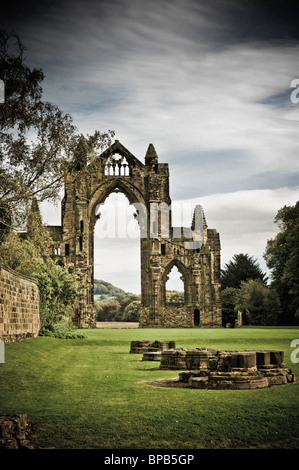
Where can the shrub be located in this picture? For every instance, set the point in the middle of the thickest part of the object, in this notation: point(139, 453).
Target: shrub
point(60, 334)
point(131, 311)
point(60, 292)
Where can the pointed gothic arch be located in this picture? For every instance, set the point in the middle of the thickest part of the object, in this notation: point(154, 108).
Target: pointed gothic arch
point(184, 277)
point(118, 184)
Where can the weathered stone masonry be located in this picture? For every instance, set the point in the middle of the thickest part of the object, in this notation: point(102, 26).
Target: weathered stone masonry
point(195, 250)
point(19, 306)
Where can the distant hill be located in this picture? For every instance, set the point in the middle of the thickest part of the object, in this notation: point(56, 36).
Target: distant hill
point(105, 292)
point(107, 289)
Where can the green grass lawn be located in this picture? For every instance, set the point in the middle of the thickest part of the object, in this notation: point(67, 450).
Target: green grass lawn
point(87, 393)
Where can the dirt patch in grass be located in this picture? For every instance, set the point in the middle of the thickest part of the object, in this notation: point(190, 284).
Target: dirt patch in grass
point(117, 324)
point(166, 383)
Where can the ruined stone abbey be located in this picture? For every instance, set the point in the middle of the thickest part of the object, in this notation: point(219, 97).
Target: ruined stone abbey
point(195, 250)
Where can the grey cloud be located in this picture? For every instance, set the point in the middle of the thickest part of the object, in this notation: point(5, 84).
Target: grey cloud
point(206, 82)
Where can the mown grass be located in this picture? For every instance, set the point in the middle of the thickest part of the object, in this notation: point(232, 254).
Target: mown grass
point(88, 393)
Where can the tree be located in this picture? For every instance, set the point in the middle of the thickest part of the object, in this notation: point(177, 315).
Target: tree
point(37, 232)
point(20, 255)
point(60, 292)
point(126, 299)
point(228, 301)
point(110, 311)
point(177, 298)
point(39, 142)
point(131, 312)
point(5, 221)
point(282, 258)
point(122, 308)
point(259, 304)
point(241, 268)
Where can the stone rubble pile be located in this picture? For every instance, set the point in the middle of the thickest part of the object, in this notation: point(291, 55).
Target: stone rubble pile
point(16, 432)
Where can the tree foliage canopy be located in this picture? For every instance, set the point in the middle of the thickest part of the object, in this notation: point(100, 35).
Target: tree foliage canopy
point(244, 289)
point(282, 258)
point(123, 308)
point(259, 303)
point(38, 142)
point(241, 268)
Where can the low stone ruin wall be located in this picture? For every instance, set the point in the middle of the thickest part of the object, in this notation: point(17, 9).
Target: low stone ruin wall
point(206, 358)
point(19, 306)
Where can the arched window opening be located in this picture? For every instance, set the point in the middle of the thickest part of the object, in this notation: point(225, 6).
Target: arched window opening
point(117, 246)
point(175, 288)
point(196, 317)
point(57, 251)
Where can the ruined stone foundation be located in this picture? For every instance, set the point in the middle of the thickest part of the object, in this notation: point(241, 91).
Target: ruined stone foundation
point(206, 368)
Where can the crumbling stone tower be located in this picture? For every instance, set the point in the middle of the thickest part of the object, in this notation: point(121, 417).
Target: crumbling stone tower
point(195, 251)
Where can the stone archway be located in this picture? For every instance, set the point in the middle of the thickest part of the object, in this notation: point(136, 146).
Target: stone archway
point(195, 250)
point(133, 198)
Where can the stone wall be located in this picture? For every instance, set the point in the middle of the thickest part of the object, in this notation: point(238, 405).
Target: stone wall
point(19, 306)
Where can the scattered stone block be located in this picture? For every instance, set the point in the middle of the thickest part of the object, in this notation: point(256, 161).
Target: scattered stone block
point(138, 347)
point(246, 360)
point(262, 358)
point(277, 357)
point(144, 346)
point(152, 356)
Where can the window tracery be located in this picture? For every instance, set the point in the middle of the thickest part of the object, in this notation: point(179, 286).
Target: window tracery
point(117, 165)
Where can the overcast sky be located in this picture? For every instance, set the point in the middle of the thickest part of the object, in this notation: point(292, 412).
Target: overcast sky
point(207, 82)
